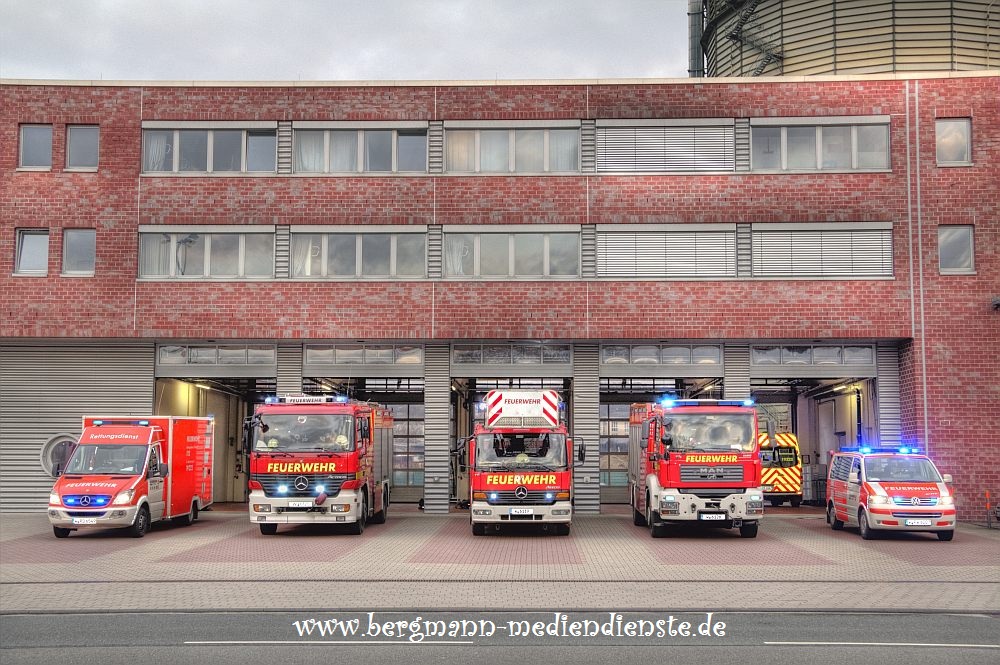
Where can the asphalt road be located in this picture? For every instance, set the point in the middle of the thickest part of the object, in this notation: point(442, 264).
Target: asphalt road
point(512, 637)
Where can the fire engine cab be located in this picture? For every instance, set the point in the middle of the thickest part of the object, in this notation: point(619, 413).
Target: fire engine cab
point(898, 490)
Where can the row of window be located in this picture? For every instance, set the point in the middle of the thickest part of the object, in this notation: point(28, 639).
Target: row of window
point(635, 255)
point(795, 147)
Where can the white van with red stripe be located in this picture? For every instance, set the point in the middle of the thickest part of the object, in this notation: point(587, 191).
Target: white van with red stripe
point(892, 491)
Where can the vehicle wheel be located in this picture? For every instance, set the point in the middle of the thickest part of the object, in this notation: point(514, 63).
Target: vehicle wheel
point(831, 519)
point(637, 518)
point(380, 516)
point(64, 533)
point(562, 529)
point(194, 511)
point(186, 520)
point(478, 529)
point(942, 535)
point(796, 502)
point(141, 524)
point(776, 502)
point(655, 529)
point(748, 530)
point(268, 529)
point(358, 527)
point(863, 527)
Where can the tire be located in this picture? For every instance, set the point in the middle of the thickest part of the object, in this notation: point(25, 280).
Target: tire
point(380, 516)
point(358, 527)
point(194, 511)
point(562, 529)
point(478, 529)
point(268, 529)
point(637, 518)
point(748, 530)
point(796, 502)
point(186, 520)
point(64, 533)
point(141, 524)
point(776, 502)
point(655, 529)
point(865, 529)
point(831, 519)
point(942, 535)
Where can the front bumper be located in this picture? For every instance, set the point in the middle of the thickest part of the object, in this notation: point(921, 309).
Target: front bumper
point(560, 512)
point(112, 517)
point(676, 506)
point(340, 509)
point(901, 519)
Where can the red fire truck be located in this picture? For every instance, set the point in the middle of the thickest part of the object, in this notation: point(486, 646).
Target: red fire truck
point(521, 462)
point(695, 461)
point(317, 460)
point(129, 471)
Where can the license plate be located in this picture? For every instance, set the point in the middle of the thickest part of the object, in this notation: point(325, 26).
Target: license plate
point(300, 504)
point(712, 516)
point(768, 488)
point(84, 520)
point(917, 522)
point(522, 511)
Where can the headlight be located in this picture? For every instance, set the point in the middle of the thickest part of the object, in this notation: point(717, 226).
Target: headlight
point(54, 498)
point(878, 500)
point(124, 498)
point(947, 501)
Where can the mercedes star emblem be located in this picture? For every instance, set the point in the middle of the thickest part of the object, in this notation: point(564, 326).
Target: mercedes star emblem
point(301, 483)
point(84, 500)
point(521, 492)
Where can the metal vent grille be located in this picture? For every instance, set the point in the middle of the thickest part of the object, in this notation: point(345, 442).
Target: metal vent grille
point(741, 136)
point(282, 251)
point(435, 146)
point(588, 251)
point(588, 146)
point(289, 368)
point(284, 146)
point(434, 244)
point(586, 427)
point(744, 250)
point(437, 427)
point(888, 401)
point(662, 149)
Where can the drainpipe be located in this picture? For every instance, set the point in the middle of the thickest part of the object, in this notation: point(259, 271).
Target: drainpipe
point(857, 406)
point(696, 58)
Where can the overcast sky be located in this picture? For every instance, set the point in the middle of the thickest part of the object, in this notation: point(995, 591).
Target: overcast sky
point(255, 40)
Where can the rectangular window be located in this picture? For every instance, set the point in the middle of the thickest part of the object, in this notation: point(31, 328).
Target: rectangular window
point(512, 150)
point(382, 150)
point(309, 152)
point(530, 255)
point(954, 144)
point(193, 150)
point(666, 254)
point(227, 151)
point(956, 255)
point(36, 147)
point(766, 148)
point(873, 146)
point(836, 147)
point(666, 148)
point(359, 255)
point(79, 250)
point(822, 253)
point(32, 256)
point(841, 147)
point(213, 255)
point(378, 150)
point(208, 151)
point(261, 151)
point(801, 147)
point(411, 151)
point(82, 146)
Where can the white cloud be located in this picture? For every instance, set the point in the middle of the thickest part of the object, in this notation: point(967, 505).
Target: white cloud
point(342, 40)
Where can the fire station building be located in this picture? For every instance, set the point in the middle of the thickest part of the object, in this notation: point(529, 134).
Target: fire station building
point(828, 245)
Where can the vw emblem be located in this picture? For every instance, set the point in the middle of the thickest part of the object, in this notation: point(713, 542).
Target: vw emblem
point(84, 500)
point(915, 501)
point(521, 492)
point(301, 483)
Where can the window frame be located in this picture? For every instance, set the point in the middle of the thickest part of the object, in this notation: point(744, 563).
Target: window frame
point(65, 247)
point(20, 236)
point(511, 254)
point(208, 232)
point(967, 123)
point(86, 168)
point(324, 256)
point(512, 150)
point(971, 237)
point(819, 124)
point(360, 155)
point(21, 166)
point(174, 146)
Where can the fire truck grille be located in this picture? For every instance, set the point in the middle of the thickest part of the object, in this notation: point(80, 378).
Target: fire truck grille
point(693, 473)
point(86, 500)
point(331, 483)
point(533, 498)
point(921, 501)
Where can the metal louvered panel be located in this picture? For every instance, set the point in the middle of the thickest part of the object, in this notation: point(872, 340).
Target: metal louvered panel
point(284, 146)
point(741, 144)
point(586, 427)
point(889, 404)
point(744, 250)
point(46, 391)
point(736, 378)
point(435, 240)
point(665, 149)
point(834, 253)
point(435, 146)
point(588, 146)
point(588, 251)
point(437, 427)
point(282, 251)
point(289, 369)
point(660, 254)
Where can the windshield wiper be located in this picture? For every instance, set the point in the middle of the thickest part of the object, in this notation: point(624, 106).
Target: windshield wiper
point(273, 453)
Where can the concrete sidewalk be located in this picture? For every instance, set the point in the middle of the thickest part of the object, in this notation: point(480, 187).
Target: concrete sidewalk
point(418, 561)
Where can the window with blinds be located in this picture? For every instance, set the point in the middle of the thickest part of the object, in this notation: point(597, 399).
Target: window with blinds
point(822, 253)
point(666, 254)
point(665, 149)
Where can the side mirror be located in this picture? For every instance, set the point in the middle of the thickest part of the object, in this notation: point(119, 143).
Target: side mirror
point(57, 471)
point(581, 454)
point(947, 479)
point(652, 457)
point(854, 478)
point(163, 471)
point(363, 426)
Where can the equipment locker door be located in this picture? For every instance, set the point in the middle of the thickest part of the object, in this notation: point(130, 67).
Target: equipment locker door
point(155, 484)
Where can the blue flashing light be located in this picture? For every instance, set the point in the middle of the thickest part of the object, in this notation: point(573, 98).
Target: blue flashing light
point(493, 496)
point(904, 450)
point(320, 489)
point(271, 399)
point(748, 402)
point(144, 423)
point(341, 398)
point(98, 422)
point(282, 489)
point(865, 449)
point(668, 402)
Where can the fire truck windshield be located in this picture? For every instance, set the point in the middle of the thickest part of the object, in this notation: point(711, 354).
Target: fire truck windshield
point(710, 431)
point(521, 451)
point(899, 468)
point(107, 459)
point(304, 432)
point(780, 457)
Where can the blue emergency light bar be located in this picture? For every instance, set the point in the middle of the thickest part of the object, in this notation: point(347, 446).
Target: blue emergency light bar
point(670, 402)
point(98, 423)
point(305, 399)
point(866, 450)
